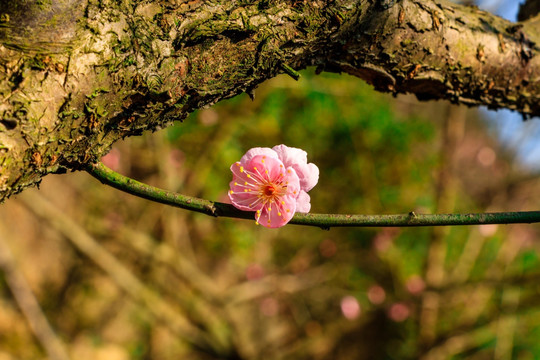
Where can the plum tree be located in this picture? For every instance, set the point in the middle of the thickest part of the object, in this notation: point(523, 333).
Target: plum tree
point(76, 76)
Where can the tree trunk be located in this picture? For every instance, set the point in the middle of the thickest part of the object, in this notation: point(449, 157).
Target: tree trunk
point(75, 76)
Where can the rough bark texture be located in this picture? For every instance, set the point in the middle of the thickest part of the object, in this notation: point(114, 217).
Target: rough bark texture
point(75, 76)
point(528, 9)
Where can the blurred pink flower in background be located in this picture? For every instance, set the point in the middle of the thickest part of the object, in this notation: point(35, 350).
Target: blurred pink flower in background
point(269, 306)
point(399, 312)
point(350, 308)
point(376, 294)
point(254, 272)
point(415, 285)
point(112, 159)
point(273, 183)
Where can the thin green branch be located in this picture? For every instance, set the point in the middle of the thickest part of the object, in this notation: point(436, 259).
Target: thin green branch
point(325, 221)
point(290, 71)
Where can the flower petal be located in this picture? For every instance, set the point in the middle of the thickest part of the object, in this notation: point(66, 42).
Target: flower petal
point(239, 172)
point(277, 215)
point(266, 169)
point(308, 175)
point(303, 204)
point(290, 155)
point(297, 158)
point(244, 200)
point(257, 151)
point(293, 182)
point(243, 189)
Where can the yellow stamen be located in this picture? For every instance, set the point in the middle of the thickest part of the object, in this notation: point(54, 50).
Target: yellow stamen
point(241, 169)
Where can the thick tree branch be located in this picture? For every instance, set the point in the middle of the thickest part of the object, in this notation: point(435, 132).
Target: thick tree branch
point(75, 76)
point(528, 9)
point(439, 50)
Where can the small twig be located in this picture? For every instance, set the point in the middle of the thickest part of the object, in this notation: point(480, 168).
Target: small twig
point(325, 221)
point(29, 306)
point(290, 71)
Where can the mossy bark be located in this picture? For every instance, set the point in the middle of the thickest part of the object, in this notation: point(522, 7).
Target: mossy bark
point(75, 76)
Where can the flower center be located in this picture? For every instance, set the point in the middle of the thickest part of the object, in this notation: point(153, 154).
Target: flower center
point(269, 190)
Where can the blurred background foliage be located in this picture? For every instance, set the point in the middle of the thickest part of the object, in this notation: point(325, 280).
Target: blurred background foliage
point(118, 277)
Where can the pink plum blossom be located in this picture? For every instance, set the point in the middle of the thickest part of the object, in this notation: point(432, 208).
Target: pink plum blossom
point(273, 183)
point(350, 308)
